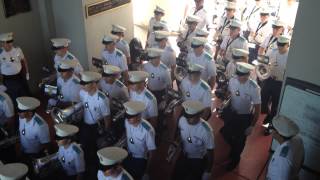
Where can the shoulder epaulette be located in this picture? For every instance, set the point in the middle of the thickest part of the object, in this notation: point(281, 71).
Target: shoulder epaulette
point(101, 95)
point(76, 149)
point(207, 56)
point(2, 98)
point(119, 53)
point(69, 56)
point(125, 177)
point(76, 80)
point(38, 120)
point(163, 66)
point(284, 151)
point(253, 83)
point(204, 85)
point(206, 126)
point(119, 83)
point(149, 95)
point(146, 125)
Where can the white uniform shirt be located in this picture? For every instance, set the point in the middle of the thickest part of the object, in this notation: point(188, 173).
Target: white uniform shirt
point(168, 57)
point(68, 56)
point(140, 139)
point(124, 175)
point(96, 107)
point(196, 139)
point(269, 44)
point(69, 89)
point(117, 90)
point(203, 15)
point(10, 61)
point(186, 37)
point(286, 160)
point(199, 92)
point(152, 21)
point(278, 64)
point(6, 108)
point(251, 17)
point(206, 61)
point(123, 46)
point(33, 134)
point(150, 101)
point(159, 76)
point(116, 58)
point(244, 96)
point(228, 44)
point(72, 159)
point(223, 28)
point(262, 31)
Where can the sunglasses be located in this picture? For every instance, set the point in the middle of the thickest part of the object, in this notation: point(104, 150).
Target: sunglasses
point(195, 46)
point(129, 116)
point(281, 44)
point(64, 70)
point(7, 42)
point(276, 27)
point(158, 13)
point(155, 28)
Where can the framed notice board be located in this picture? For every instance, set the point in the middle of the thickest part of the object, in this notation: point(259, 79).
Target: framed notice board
point(13, 7)
point(105, 5)
point(301, 103)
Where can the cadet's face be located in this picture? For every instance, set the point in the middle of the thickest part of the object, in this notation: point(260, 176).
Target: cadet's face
point(230, 12)
point(263, 18)
point(90, 87)
point(155, 61)
point(192, 25)
point(109, 79)
point(198, 50)
point(137, 86)
point(61, 52)
point(7, 46)
point(134, 120)
point(193, 120)
point(194, 77)
point(66, 75)
point(110, 47)
point(234, 31)
point(62, 142)
point(25, 115)
point(277, 31)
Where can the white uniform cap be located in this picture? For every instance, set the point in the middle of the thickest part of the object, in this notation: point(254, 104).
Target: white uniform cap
point(109, 38)
point(110, 69)
point(65, 130)
point(134, 107)
point(68, 64)
point(154, 52)
point(231, 5)
point(285, 126)
point(60, 42)
point(235, 23)
point(197, 41)
point(13, 171)
point(193, 18)
point(279, 23)
point(159, 9)
point(90, 76)
point(202, 32)
point(137, 76)
point(27, 103)
point(6, 37)
point(195, 67)
point(118, 28)
point(161, 24)
point(162, 34)
point(111, 155)
point(192, 107)
point(240, 52)
point(243, 67)
point(265, 10)
point(284, 39)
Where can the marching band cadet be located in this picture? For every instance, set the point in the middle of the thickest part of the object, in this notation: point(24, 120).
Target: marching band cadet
point(251, 16)
point(196, 159)
point(184, 39)
point(157, 26)
point(234, 40)
point(121, 44)
point(33, 131)
point(96, 116)
point(270, 42)
point(168, 56)
point(238, 55)
point(110, 84)
point(159, 79)
point(158, 14)
point(13, 67)
point(288, 158)
point(200, 12)
point(272, 86)
point(139, 92)
point(260, 33)
point(110, 160)
point(113, 56)
point(69, 154)
point(201, 57)
point(194, 88)
point(245, 96)
point(287, 13)
point(208, 47)
point(14, 171)
point(140, 139)
point(60, 47)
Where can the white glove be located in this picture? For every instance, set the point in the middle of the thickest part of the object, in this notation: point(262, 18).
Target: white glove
point(206, 176)
point(248, 131)
point(27, 76)
point(145, 177)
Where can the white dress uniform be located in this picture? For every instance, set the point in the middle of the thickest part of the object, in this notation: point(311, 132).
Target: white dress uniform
point(152, 22)
point(68, 56)
point(269, 44)
point(223, 28)
point(10, 62)
point(140, 139)
point(205, 60)
point(96, 107)
point(69, 89)
point(286, 160)
point(159, 77)
point(252, 17)
point(203, 15)
point(278, 64)
point(186, 37)
point(6, 108)
point(71, 159)
point(117, 90)
point(150, 101)
point(228, 44)
point(124, 175)
point(33, 134)
point(262, 31)
point(201, 138)
point(200, 92)
point(123, 46)
point(244, 96)
point(116, 58)
point(168, 57)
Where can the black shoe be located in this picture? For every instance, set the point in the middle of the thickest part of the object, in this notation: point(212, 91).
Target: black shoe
point(267, 120)
point(232, 165)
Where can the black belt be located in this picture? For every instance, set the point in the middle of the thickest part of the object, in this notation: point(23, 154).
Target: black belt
point(12, 77)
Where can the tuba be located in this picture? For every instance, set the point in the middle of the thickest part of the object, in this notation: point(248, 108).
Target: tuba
point(181, 70)
point(68, 115)
point(46, 166)
point(263, 70)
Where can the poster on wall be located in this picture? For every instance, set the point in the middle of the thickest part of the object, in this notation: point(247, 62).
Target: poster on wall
point(102, 6)
point(13, 7)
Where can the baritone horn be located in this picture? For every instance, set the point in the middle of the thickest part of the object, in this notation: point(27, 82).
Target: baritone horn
point(263, 70)
point(67, 115)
